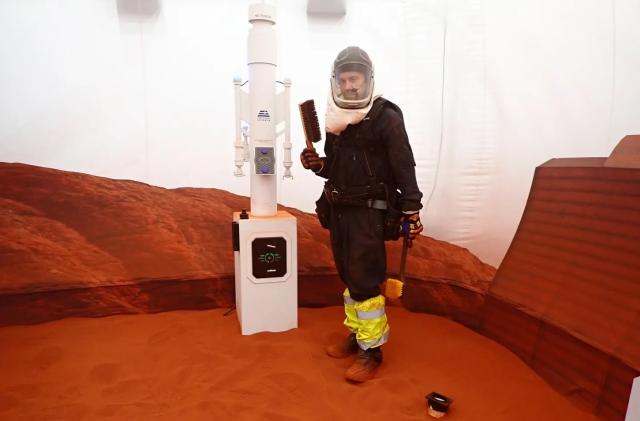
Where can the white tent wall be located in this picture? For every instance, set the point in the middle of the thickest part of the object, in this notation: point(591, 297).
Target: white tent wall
point(525, 82)
point(121, 89)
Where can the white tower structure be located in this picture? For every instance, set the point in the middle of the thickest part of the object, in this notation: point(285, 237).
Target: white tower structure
point(264, 239)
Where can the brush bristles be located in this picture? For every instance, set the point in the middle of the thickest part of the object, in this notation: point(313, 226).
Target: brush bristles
point(310, 122)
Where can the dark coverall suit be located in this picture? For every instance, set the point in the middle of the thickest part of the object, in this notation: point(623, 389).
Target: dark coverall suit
point(357, 232)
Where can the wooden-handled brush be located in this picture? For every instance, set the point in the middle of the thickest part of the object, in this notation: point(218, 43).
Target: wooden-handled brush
point(310, 122)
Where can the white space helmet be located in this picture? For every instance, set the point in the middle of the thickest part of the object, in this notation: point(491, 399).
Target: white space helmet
point(352, 78)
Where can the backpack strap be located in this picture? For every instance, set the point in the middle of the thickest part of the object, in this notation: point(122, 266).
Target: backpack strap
point(364, 130)
point(365, 126)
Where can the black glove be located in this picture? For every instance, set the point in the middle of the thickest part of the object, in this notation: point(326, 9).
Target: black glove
point(311, 160)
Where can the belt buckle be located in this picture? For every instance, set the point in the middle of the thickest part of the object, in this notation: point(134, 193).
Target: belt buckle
point(335, 195)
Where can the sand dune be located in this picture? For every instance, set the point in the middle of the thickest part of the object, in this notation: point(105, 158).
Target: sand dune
point(194, 365)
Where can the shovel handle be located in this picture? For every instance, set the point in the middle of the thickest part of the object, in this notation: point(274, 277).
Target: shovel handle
point(406, 243)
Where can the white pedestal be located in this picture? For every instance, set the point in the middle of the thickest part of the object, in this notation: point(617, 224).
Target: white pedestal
point(266, 269)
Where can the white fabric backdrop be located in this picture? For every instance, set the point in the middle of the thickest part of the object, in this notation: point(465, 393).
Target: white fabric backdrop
point(490, 89)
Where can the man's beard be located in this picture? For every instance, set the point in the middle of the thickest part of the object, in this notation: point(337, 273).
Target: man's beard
point(351, 95)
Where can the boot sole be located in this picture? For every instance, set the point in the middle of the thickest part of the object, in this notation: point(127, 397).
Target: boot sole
point(359, 379)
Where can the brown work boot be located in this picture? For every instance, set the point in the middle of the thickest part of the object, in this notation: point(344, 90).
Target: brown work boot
point(343, 349)
point(365, 366)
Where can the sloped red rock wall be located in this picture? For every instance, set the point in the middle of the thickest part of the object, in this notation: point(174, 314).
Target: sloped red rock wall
point(566, 298)
point(80, 245)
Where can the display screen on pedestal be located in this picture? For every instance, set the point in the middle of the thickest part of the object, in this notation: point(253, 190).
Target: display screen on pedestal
point(269, 257)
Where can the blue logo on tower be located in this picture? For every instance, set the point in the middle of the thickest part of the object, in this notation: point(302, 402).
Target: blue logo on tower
point(263, 115)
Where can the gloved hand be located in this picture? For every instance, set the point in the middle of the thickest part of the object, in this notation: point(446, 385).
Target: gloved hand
point(310, 160)
point(411, 225)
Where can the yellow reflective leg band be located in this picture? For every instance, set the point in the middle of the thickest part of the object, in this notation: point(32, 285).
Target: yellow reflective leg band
point(351, 321)
point(373, 330)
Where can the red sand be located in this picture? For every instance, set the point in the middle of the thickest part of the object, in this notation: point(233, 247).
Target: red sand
point(194, 365)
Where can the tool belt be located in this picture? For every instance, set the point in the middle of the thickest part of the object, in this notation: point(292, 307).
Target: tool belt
point(333, 196)
point(368, 197)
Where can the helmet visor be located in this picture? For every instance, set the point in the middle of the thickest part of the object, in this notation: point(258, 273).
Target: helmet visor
point(352, 85)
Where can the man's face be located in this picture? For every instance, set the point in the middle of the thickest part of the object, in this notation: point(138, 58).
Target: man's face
point(351, 84)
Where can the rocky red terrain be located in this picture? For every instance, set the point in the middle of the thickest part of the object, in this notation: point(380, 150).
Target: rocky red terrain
point(74, 244)
point(565, 299)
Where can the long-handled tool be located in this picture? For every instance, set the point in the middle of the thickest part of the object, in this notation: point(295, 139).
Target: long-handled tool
point(393, 287)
